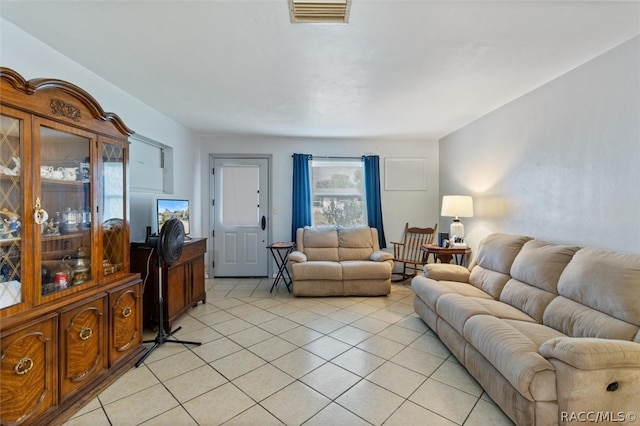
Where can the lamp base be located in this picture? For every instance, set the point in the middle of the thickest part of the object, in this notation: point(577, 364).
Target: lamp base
point(456, 230)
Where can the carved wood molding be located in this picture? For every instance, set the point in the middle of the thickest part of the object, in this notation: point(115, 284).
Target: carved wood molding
point(32, 86)
point(60, 107)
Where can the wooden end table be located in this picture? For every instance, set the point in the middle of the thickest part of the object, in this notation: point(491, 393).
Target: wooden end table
point(445, 254)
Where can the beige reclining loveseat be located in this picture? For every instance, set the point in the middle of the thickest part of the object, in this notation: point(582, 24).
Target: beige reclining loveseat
point(336, 261)
point(551, 332)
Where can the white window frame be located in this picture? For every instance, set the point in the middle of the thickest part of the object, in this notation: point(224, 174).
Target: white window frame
point(336, 162)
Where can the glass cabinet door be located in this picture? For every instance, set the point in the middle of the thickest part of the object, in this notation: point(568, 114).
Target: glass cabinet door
point(115, 238)
point(64, 199)
point(11, 215)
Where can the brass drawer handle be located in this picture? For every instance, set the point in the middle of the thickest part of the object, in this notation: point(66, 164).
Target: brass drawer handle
point(23, 366)
point(85, 333)
point(126, 312)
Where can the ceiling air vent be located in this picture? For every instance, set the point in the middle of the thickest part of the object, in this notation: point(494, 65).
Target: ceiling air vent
point(331, 11)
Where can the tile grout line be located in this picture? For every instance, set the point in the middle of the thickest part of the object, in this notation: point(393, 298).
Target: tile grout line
point(244, 306)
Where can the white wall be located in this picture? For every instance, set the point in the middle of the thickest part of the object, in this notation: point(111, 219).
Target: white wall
point(561, 163)
point(33, 59)
point(419, 208)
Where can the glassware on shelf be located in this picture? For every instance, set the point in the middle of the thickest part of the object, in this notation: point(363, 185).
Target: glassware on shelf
point(10, 211)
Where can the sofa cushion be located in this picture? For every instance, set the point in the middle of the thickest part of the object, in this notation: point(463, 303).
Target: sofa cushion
point(489, 281)
point(456, 309)
point(320, 243)
point(365, 270)
point(430, 290)
point(514, 355)
point(348, 253)
point(320, 237)
point(498, 251)
point(322, 254)
point(329, 271)
point(529, 299)
point(355, 243)
point(358, 236)
point(540, 264)
point(535, 272)
point(594, 273)
point(577, 320)
point(537, 333)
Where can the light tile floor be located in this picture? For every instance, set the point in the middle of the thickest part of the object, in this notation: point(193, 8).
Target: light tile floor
point(273, 359)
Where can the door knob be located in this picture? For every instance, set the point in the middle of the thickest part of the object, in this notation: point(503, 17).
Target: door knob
point(263, 223)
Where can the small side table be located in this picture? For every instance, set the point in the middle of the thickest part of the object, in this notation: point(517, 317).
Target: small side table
point(445, 254)
point(279, 252)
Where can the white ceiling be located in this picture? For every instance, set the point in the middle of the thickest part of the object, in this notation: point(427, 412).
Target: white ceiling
point(399, 69)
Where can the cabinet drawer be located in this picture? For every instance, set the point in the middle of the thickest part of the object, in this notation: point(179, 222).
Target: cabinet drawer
point(82, 344)
point(126, 321)
point(28, 371)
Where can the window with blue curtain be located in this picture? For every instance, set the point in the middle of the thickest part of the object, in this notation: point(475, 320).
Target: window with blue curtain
point(337, 190)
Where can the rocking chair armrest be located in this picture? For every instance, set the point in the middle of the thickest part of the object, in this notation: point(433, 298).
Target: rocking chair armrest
point(396, 248)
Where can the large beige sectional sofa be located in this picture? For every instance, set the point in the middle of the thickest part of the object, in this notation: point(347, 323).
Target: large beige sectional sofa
point(336, 261)
point(551, 332)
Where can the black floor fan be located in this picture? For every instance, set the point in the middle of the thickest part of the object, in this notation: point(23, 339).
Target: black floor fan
point(168, 248)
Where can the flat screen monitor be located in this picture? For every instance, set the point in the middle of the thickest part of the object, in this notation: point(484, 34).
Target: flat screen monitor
point(169, 209)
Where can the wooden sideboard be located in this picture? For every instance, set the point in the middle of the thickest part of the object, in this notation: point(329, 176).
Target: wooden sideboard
point(182, 281)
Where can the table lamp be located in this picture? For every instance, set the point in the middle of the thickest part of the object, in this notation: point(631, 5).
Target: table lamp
point(457, 206)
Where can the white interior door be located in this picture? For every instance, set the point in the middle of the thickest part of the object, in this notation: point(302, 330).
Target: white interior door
point(240, 207)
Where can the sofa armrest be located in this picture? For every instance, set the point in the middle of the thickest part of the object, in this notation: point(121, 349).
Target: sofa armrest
point(446, 272)
point(592, 353)
point(594, 375)
point(380, 256)
point(296, 257)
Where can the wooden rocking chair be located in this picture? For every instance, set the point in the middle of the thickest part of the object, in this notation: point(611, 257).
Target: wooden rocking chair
point(409, 251)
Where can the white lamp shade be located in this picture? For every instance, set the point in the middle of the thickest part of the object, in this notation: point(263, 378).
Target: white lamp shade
point(457, 206)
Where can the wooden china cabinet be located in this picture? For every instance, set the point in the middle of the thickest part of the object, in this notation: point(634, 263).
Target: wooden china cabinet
point(70, 310)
